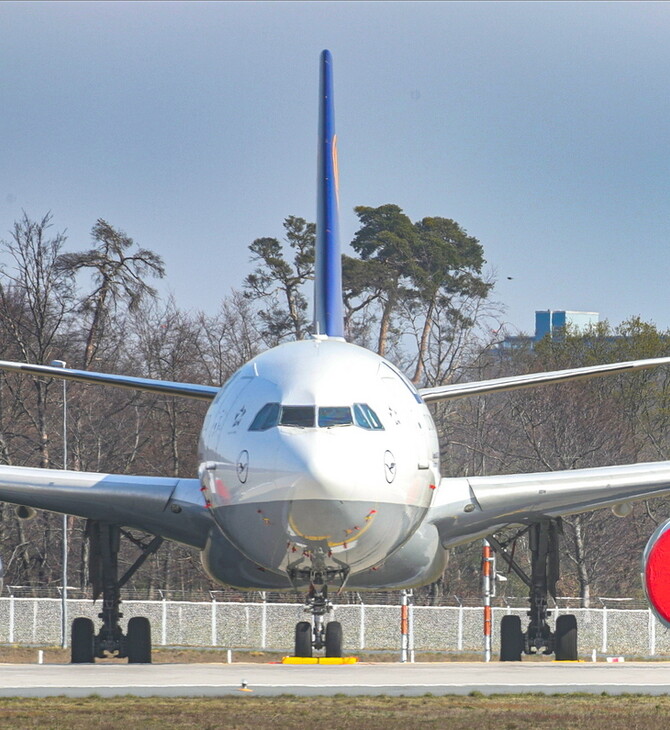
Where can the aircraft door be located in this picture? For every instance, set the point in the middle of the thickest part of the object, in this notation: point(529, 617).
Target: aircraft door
point(406, 413)
point(424, 444)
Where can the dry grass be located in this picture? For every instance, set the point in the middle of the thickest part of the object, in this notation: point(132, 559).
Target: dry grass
point(344, 713)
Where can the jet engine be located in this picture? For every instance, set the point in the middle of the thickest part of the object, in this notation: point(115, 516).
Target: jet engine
point(656, 572)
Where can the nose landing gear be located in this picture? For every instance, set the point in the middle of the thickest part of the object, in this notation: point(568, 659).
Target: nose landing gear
point(318, 634)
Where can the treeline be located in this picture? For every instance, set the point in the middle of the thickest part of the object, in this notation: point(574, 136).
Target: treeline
point(97, 309)
point(415, 292)
point(608, 420)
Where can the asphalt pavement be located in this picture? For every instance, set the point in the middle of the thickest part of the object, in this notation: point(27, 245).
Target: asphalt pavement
point(194, 680)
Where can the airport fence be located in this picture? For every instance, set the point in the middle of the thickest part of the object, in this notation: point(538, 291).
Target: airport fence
point(270, 626)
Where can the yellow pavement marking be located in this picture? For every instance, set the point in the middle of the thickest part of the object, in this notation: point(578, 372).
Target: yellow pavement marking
point(319, 660)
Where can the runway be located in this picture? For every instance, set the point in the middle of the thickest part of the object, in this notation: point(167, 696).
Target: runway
point(216, 680)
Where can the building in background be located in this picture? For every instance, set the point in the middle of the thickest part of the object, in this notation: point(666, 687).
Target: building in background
point(550, 322)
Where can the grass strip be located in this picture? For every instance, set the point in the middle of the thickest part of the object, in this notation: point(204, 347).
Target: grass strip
point(287, 712)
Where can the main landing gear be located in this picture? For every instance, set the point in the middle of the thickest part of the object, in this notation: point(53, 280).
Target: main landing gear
point(135, 644)
point(538, 638)
point(318, 634)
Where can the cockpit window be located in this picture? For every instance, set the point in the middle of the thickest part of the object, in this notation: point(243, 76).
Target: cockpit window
point(334, 416)
point(266, 418)
point(300, 416)
point(273, 414)
point(366, 417)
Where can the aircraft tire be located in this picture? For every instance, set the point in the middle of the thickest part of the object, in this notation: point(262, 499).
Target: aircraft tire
point(511, 639)
point(565, 638)
point(334, 639)
point(139, 640)
point(81, 645)
point(303, 639)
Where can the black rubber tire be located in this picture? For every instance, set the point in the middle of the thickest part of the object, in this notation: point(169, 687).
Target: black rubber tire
point(565, 638)
point(138, 640)
point(334, 639)
point(81, 644)
point(303, 639)
point(511, 639)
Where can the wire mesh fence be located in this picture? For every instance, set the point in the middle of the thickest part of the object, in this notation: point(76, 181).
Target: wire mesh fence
point(264, 625)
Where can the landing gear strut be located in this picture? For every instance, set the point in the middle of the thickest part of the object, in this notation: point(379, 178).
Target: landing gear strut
point(318, 634)
point(538, 638)
point(105, 540)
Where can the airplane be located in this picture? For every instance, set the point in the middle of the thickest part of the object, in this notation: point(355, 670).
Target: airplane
point(319, 470)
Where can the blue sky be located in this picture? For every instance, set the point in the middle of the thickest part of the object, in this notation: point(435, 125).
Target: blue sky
point(542, 128)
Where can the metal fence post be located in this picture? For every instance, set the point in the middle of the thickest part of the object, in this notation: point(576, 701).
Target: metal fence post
point(164, 622)
point(459, 638)
point(264, 619)
point(486, 590)
point(604, 648)
point(213, 621)
point(404, 626)
point(652, 633)
point(11, 618)
point(361, 631)
point(411, 630)
point(35, 620)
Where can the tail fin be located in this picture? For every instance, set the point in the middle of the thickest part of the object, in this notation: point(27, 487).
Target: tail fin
point(328, 311)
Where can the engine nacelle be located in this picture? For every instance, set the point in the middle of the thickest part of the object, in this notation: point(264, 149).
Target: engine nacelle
point(656, 572)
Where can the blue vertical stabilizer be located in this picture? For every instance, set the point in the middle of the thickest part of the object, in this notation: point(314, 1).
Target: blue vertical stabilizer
point(328, 313)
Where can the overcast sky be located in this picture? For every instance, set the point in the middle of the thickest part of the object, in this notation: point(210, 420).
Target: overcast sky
point(542, 128)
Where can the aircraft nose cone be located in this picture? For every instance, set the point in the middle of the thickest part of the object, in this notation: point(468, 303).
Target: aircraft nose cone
point(320, 471)
point(328, 508)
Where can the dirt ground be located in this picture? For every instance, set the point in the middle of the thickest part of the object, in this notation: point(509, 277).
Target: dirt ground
point(56, 655)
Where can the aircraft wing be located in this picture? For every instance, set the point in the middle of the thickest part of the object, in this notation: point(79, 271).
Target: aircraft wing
point(172, 508)
point(469, 507)
point(167, 387)
point(514, 382)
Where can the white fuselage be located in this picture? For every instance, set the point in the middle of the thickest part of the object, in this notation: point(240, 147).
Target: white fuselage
point(318, 455)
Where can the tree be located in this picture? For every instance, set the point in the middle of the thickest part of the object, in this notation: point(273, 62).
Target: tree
point(227, 340)
point(424, 276)
point(601, 421)
point(279, 283)
point(119, 271)
point(386, 242)
point(35, 298)
point(363, 284)
point(35, 301)
point(446, 272)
